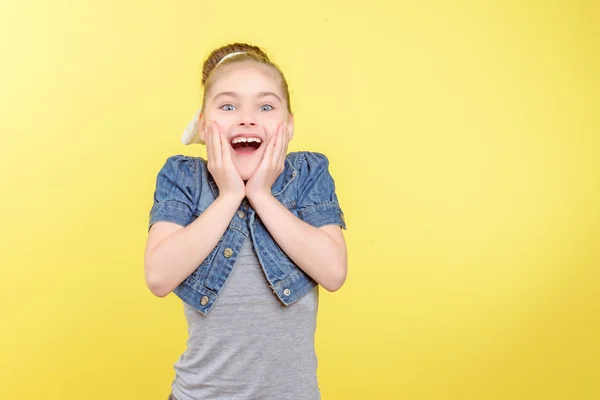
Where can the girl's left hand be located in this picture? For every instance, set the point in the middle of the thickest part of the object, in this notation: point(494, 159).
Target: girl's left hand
point(271, 166)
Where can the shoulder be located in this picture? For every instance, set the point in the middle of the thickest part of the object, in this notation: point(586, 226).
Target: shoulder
point(315, 189)
point(308, 160)
point(312, 172)
point(182, 166)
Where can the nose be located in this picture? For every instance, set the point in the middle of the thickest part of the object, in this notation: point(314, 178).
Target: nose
point(248, 119)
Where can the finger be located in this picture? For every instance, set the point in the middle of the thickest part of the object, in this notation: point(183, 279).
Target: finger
point(289, 132)
point(277, 146)
point(216, 144)
point(284, 145)
point(269, 149)
point(209, 151)
point(210, 145)
point(226, 150)
point(267, 157)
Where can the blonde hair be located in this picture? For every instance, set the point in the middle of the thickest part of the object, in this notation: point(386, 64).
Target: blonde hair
point(244, 52)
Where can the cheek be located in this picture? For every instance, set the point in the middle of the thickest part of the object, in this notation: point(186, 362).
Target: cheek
point(224, 121)
point(270, 125)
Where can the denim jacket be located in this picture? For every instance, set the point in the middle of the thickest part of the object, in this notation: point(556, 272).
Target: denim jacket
point(184, 190)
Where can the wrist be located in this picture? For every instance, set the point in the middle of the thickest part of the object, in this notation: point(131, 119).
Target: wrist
point(259, 195)
point(231, 198)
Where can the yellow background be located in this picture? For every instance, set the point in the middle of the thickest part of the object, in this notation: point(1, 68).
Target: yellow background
point(463, 139)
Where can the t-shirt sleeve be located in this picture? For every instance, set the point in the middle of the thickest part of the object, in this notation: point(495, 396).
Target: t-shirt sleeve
point(318, 203)
point(175, 193)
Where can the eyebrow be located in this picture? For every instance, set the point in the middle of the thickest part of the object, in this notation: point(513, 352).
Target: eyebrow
point(230, 94)
point(265, 94)
point(234, 94)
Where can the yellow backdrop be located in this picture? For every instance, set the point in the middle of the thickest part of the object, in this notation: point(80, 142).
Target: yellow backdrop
point(463, 139)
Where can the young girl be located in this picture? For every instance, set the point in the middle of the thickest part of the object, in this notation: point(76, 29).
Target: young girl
point(245, 238)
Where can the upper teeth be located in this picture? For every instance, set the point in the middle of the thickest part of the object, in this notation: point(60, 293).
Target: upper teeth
point(246, 140)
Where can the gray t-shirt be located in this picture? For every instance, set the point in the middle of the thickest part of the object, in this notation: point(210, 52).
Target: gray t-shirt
point(249, 346)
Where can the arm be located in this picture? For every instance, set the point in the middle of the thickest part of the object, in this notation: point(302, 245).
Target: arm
point(314, 241)
point(174, 252)
point(320, 252)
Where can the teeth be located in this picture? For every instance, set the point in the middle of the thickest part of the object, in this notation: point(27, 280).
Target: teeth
point(246, 140)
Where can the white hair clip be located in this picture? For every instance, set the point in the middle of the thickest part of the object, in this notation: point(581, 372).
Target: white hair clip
point(235, 53)
point(190, 133)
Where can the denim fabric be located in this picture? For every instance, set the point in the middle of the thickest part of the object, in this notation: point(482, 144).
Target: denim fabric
point(185, 189)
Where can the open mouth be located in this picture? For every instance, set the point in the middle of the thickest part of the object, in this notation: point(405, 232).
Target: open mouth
point(246, 145)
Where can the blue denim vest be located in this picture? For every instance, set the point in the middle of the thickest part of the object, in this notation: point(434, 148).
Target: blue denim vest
point(184, 190)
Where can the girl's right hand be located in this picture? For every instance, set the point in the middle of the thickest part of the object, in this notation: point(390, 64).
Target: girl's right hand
point(220, 164)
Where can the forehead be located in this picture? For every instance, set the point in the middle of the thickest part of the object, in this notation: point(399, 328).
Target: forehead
point(246, 79)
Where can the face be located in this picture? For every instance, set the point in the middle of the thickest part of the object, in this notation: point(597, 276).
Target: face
point(247, 103)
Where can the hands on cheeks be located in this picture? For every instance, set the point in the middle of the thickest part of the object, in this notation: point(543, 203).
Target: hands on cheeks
point(271, 166)
point(221, 166)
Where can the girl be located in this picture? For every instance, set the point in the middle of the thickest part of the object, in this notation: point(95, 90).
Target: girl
point(245, 238)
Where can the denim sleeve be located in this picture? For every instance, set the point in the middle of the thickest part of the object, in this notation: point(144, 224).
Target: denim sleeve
point(318, 204)
point(176, 191)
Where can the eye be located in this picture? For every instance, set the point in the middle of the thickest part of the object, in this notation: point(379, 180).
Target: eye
point(227, 107)
point(266, 107)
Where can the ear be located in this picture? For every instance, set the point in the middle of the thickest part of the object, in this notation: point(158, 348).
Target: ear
point(290, 127)
point(202, 128)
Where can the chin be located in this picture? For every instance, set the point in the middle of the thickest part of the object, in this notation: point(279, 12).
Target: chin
point(246, 167)
point(246, 173)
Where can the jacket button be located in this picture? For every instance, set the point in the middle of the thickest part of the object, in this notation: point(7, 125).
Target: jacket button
point(204, 300)
point(241, 214)
point(286, 292)
point(228, 252)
